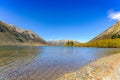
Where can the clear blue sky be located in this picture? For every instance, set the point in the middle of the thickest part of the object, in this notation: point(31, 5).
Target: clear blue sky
point(78, 20)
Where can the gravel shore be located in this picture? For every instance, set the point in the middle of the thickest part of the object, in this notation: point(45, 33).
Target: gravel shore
point(107, 68)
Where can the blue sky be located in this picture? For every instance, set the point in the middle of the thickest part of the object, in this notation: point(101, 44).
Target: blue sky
point(79, 20)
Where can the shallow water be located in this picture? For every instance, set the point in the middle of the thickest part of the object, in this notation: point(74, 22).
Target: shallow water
point(46, 63)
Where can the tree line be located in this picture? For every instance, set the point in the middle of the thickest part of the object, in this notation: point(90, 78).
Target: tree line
point(114, 42)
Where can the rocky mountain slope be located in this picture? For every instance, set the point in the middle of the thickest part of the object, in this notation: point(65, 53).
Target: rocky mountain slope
point(60, 42)
point(11, 35)
point(109, 33)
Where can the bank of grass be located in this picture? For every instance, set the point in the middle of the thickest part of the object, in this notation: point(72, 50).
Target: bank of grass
point(106, 43)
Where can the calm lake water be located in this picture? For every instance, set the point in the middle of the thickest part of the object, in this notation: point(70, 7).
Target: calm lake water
point(46, 63)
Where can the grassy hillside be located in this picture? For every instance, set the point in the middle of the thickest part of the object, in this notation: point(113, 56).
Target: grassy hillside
point(106, 43)
point(110, 32)
point(110, 38)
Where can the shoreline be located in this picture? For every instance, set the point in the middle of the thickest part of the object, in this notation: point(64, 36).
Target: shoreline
point(106, 68)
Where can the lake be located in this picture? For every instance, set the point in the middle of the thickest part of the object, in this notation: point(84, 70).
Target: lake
point(46, 63)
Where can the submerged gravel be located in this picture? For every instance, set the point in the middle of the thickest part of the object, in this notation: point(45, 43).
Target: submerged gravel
point(107, 68)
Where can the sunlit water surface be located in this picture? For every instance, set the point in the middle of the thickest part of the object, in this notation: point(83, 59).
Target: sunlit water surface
point(46, 63)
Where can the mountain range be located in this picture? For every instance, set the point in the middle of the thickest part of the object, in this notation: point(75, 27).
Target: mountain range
point(12, 35)
point(60, 42)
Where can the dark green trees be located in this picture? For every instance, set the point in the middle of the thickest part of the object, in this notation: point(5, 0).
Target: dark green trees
point(115, 36)
point(69, 43)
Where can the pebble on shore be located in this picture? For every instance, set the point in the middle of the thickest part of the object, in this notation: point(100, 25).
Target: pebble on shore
point(107, 68)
